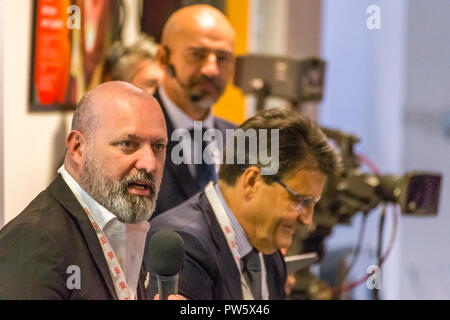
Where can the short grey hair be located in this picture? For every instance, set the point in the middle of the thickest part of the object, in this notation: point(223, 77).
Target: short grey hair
point(84, 118)
point(128, 58)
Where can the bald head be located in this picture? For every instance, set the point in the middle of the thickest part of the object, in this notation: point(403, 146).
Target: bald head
point(102, 100)
point(193, 19)
point(198, 52)
point(117, 147)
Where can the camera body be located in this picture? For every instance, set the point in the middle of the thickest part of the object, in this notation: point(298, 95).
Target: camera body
point(288, 78)
point(416, 192)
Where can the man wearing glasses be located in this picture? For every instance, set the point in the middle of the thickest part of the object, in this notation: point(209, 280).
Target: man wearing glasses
point(234, 230)
point(197, 53)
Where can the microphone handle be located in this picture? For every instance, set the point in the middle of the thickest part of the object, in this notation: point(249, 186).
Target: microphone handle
point(167, 285)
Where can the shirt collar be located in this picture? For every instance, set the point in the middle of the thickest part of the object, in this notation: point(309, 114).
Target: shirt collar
point(127, 240)
point(178, 117)
point(102, 216)
point(244, 246)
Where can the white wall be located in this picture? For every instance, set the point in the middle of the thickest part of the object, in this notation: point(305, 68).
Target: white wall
point(268, 27)
point(364, 96)
point(274, 29)
point(425, 259)
point(33, 143)
point(391, 87)
point(2, 10)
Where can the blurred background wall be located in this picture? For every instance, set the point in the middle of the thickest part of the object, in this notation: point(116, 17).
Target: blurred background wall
point(33, 143)
point(390, 87)
point(2, 200)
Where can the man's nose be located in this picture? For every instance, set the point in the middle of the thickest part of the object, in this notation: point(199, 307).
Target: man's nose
point(146, 159)
point(210, 67)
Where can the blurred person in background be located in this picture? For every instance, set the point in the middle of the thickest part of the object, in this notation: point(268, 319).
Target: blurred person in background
point(197, 52)
point(136, 64)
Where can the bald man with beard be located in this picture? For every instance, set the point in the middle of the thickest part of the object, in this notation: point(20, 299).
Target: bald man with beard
point(197, 52)
point(83, 237)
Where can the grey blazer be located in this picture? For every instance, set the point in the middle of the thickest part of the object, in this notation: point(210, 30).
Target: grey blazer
point(39, 245)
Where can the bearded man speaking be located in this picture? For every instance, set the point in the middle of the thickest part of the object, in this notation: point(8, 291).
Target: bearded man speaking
point(83, 237)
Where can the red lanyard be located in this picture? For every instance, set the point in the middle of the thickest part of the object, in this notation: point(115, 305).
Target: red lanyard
point(117, 275)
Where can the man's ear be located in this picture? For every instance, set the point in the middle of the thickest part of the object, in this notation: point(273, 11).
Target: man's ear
point(251, 179)
point(76, 146)
point(162, 55)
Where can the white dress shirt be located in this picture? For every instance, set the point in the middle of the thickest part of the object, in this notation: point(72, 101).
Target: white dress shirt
point(127, 240)
point(243, 244)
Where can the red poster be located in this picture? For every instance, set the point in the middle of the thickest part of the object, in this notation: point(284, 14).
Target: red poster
point(52, 55)
point(71, 38)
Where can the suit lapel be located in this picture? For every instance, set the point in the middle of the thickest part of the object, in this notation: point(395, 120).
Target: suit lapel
point(222, 126)
point(140, 291)
point(179, 172)
point(66, 198)
point(276, 272)
point(226, 260)
point(275, 268)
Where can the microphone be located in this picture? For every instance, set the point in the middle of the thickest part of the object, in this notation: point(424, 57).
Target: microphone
point(167, 257)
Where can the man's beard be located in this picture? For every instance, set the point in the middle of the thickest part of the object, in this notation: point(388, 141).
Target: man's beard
point(204, 100)
point(114, 195)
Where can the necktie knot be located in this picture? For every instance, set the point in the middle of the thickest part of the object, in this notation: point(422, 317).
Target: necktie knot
point(251, 262)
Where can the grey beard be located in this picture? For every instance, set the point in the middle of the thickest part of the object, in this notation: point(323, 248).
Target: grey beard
point(205, 103)
point(114, 195)
point(201, 101)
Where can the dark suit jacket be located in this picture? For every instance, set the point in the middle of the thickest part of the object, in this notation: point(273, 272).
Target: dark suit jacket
point(210, 271)
point(38, 246)
point(177, 184)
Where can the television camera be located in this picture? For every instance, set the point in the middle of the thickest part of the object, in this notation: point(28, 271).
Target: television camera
point(302, 80)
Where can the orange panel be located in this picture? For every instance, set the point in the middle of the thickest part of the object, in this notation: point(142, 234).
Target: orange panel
point(231, 105)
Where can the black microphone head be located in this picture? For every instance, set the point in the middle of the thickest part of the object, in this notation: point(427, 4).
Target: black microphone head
point(166, 253)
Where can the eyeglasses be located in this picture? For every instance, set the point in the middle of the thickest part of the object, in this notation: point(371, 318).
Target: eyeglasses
point(303, 202)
